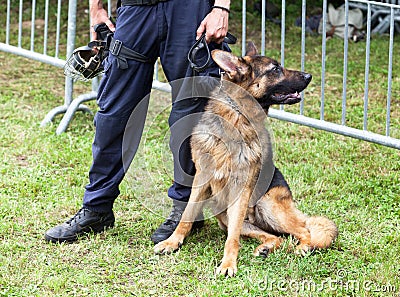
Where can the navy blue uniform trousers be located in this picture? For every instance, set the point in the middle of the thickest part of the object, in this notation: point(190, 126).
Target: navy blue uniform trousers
point(166, 30)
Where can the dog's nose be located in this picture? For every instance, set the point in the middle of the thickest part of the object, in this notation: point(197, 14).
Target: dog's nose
point(307, 77)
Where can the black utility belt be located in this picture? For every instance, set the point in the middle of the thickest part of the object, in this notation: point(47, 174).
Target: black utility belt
point(140, 2)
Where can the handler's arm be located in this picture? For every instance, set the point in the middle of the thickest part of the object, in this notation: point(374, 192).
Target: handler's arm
point(98, 15)
point(215, 24)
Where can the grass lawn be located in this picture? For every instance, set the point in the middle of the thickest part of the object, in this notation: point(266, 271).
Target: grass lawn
point(354, 183)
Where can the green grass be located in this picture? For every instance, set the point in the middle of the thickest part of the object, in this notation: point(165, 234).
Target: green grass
point(354, 183)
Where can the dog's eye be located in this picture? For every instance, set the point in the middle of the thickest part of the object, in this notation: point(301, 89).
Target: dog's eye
point(276, 69)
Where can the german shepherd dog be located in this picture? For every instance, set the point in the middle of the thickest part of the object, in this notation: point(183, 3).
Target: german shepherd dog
point(232, 152)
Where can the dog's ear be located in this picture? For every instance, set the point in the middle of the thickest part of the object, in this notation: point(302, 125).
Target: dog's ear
point(234, 67)
point(251, 49)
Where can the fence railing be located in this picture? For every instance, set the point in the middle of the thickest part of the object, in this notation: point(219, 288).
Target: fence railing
point(379, 17)
point(376, 14)
point(40, 46)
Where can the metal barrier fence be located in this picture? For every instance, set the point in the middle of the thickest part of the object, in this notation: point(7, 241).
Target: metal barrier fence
point(384, 16)
point(40, 46)
point(390, 14)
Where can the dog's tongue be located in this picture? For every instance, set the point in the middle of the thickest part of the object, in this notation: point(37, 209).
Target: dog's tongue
point(283, 97)
point(291, 98)
point(293, 95)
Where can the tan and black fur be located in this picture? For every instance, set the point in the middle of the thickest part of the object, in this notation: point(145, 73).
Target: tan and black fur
point(232, 152)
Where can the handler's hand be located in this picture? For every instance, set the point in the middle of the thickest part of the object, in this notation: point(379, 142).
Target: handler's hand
point(99, 15)
point(215, 24)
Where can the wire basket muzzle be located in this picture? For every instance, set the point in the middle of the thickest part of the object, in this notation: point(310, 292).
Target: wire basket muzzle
point(84, 64)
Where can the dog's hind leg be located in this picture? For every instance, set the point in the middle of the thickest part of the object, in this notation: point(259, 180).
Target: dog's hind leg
point(269, 242)
point(200, 192)
point(276, 211)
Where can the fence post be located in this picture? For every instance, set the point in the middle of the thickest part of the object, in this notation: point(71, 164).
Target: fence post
point(72, 7)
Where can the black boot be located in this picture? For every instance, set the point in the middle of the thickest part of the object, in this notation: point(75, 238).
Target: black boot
point(84, 221)
point(168, 227)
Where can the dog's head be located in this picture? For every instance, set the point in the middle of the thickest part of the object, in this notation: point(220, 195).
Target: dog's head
point(264, 78)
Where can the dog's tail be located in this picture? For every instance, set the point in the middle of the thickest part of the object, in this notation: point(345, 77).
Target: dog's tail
point(323, 231)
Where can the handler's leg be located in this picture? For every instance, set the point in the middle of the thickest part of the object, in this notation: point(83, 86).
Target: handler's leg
point(120, 92)
point(180, 35)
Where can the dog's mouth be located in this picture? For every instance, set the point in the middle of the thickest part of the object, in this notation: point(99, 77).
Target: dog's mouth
point(290, 98)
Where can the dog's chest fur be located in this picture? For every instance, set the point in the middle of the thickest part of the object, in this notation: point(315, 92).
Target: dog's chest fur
point(230, 137)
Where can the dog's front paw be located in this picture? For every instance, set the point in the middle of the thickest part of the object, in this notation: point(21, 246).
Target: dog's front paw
point(227, 268)
point(263, 250)
point(167, 246)
point(303, 250)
